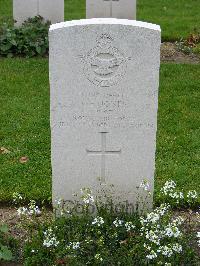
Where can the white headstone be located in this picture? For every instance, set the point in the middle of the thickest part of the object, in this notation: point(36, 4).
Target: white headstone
point(122, 9)
point(52, 10)
point(24, 9)
point(104, 78)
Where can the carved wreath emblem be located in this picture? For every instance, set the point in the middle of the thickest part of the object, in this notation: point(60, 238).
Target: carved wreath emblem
point(105, 65)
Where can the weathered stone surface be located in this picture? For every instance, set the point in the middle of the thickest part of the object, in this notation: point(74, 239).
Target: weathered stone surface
point(52, 10)
point(104, 78)
point(122, 9)
point(24, 9)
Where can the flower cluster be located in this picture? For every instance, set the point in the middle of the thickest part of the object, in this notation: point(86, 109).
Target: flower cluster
point(129, 226)
point(198, 236)
point(50, 239)
point(98, 257)
point(168, 250)
point(32, 209)
point(98, 221)
point(117, 222)
point(159, 237)
point(87, 196)
point(145, 185)
point(58, 202)
point(191, 195)
point(168, 187)
point(73, 245)
point(161, 233)
point(169, 190)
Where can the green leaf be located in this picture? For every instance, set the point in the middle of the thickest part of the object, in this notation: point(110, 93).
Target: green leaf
point(4, 228)
point(13, 42)
point(38, 49)
point(5, 47)
point(5, 253)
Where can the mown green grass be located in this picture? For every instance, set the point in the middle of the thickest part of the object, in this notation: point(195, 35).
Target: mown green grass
point(177, 18)
point(178, 138)
point(25, 130)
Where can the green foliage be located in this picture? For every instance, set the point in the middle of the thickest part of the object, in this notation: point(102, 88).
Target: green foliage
point(31, 39)
point(5, 252)
point(110, 238)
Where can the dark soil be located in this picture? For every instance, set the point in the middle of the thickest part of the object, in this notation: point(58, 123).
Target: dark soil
point(170, 53)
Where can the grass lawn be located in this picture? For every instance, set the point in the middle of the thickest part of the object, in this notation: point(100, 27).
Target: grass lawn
point(177, 18)
point(24, 131)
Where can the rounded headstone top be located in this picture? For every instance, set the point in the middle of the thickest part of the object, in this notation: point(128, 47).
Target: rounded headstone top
point(109, 21)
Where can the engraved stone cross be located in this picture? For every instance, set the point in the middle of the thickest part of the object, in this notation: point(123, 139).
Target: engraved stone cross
point(111, 5)
point(103, 152)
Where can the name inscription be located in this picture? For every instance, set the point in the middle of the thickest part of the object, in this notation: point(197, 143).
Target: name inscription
point(104, 110)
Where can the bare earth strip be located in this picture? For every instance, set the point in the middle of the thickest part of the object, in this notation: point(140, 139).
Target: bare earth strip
point(170, 53)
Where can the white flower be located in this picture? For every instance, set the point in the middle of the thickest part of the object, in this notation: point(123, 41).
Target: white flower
point(169, 232)
point(89, 199)
point(198, 241)
point(177, 248)
point(162, 209)
point(165, 251)
point(129, 226)
point(154, 217)
point(118, 222)
point(98, 221)
point(32, 209)
point(176, 195)
point(50, 239)
point(58, 202)
point(98, 257)
point(22, 211)
point(172, 231)
point(169, 186)
point(87, 196)
point(152, 237)
point(76, 245)
point(152, 255)
point(145, 185)
point(147, 246)
point(192, 194)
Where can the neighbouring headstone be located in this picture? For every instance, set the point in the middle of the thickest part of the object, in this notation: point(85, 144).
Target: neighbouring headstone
point(52, 10)
point(104, 78)
point(122, 9)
